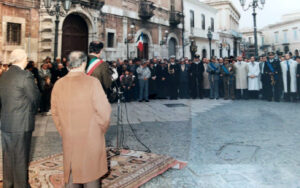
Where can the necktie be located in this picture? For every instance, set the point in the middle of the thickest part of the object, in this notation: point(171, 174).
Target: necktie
point(288, 65)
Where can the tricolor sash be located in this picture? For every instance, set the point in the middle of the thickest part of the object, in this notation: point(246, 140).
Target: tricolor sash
point(94, 63)
point(270, 67)
point(213, 66)
point(272, 70)
point(225, 69)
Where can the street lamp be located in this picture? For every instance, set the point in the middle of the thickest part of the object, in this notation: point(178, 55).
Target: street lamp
point(131, 35)
point(164, 41)
point(54, 8)
point(254, 4)
point(209, 36)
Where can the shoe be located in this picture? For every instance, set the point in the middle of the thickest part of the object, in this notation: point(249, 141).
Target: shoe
point(147, 100)
point(140, 100)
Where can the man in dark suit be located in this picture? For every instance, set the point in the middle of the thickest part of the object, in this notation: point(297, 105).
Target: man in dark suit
point(183, 80)
point(196, 73)
point(19, 96)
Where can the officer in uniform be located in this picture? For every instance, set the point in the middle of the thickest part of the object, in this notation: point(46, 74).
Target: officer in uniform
point(272, 78)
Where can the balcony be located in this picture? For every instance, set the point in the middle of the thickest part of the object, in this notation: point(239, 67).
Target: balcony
point(93, 4)
point(200, 33)
point(146, 9)
point(175, 17)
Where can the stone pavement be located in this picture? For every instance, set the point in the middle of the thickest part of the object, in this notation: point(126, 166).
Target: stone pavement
point(226, 143)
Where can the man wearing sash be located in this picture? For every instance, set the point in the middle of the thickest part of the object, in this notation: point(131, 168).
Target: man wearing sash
point(97, 67)
point(241, 75)
point(214, 72)
point(253, 78)
point(272, 78)
point(289, 68)
point(228, 79)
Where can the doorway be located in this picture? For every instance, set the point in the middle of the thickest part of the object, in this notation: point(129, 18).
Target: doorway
point(75, 35)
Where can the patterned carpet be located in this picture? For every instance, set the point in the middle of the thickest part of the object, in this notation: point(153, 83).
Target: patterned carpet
point(128, 170)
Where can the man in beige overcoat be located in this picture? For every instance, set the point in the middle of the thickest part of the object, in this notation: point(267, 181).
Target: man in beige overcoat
point(81, 113)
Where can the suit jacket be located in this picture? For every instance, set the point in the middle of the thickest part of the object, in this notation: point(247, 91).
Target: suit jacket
point(19, 100)
point(81, 114)
point(103, 74)
point(196, 71)
point(184, 74)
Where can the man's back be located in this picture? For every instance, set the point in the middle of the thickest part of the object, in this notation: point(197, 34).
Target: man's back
point(19, 97)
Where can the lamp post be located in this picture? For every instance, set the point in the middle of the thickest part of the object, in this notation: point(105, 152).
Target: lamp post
point(254, 4)
point(131, 35)
point(164, 41)
point(54, 8)
point(209, 36)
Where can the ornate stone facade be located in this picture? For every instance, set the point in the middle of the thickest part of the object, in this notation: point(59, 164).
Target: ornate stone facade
point(110, 24)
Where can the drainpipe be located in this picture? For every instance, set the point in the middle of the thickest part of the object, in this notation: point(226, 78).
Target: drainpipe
point(183, 27)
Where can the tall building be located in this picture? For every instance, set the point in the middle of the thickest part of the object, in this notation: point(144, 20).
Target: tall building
point(199, 17)
point(227, 25)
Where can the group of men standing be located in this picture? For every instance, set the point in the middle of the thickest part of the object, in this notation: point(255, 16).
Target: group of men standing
point(268, 79)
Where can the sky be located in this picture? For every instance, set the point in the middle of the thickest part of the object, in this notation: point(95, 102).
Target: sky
point(272, 12)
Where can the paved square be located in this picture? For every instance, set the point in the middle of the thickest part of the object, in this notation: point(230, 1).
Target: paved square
point(226, 143)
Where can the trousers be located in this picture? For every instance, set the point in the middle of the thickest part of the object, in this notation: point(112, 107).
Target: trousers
point(15, 151)
point(144, 89)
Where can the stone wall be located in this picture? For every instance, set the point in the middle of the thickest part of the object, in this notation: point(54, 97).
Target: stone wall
point(24, 13)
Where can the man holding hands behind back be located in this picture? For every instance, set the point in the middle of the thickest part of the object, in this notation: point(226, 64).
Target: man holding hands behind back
point(19, 96)
point(81, 113)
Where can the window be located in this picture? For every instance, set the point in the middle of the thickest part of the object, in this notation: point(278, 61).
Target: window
point(203, 21)
point(295, 34)
point(262, 40)
point(276, 37)
point(13, 33)
point(285, 37)
point(110, 40)
point(212, 24)
point(250, 40)
point(212, 52)
point(192, 20)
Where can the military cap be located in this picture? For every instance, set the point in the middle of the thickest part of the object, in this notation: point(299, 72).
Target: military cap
point(271, 54)
point(197, 56)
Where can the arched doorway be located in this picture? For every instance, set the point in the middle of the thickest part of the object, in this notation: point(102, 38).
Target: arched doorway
point(145, 53)
point(74, 35)
point(172, 47)
point(204, 53)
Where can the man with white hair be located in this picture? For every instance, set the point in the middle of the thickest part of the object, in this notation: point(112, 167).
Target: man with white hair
point(81, 113)
point(19, 96)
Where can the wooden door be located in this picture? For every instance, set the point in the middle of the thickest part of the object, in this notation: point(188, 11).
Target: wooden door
point(75, 35)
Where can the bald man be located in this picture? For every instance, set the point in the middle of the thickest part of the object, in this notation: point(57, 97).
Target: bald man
point(19, 96)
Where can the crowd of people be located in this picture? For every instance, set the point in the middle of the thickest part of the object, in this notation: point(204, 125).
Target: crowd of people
point(271, 78)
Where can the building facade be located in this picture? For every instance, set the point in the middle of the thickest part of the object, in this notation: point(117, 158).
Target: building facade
point(119, 24)
point(199, 17)
point(227, 25)
point(282, 37)
point(29, 25)
point(19, 27)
